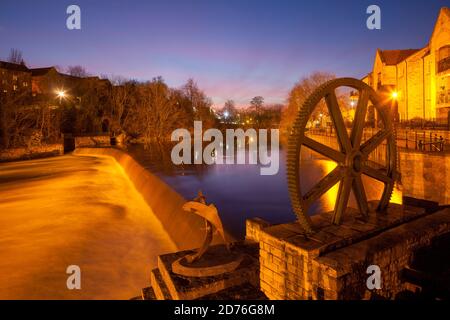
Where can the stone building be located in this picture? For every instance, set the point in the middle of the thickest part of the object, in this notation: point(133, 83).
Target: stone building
point(46, 81)
point(417, 81)
point(14, 78)
point(43, 83)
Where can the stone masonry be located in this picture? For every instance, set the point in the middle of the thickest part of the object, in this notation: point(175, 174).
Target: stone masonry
point(332, 263)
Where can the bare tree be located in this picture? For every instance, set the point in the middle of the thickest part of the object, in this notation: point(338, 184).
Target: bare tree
point(123, 103)
point(159, 111)
point(297, 96)
point(229, 112)
point(257, 104)
point(199, 103)
point(23, 125)
point(15, 56)
point(77, 71)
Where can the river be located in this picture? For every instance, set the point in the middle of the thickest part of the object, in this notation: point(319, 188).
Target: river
point(239, 191)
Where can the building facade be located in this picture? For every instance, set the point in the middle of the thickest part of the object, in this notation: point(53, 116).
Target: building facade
point(417, 81)
point(44, 83)
point(14, 79)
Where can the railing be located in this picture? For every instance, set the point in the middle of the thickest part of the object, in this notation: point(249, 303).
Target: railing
point(424, 124)
point(443, 97)
point(420, 141)
point(406, 139)
point(444, 65)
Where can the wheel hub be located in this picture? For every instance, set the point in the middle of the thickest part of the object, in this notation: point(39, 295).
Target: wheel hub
point(354, 162)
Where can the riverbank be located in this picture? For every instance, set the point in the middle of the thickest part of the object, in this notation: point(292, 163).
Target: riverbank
point(75, 210)
point(32, 152)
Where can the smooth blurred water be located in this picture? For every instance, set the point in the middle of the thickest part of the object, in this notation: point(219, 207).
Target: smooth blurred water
point(75, 210)
point(239, 191)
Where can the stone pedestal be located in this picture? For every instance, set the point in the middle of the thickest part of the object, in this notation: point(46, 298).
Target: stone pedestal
point(332, 263)
point(242, 283)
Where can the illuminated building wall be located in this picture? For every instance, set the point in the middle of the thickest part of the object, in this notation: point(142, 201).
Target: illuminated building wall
point(417, 81)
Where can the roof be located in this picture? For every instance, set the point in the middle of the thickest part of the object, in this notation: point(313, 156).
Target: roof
point(41, 71)
point(393, 57)
point(445, 10)
point(13, 66)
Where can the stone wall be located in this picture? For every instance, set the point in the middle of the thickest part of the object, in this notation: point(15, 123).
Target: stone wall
point(332, 264)
point(426, 176)
point(92, 141)
point(31, 152)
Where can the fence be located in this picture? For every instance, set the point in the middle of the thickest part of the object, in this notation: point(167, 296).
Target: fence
point(417, 124)
point(419, 140)
point(425, 141)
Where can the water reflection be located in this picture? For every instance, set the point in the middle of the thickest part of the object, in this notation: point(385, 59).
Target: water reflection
point(239, 191)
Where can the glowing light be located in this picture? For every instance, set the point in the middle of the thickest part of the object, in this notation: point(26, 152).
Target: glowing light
point(394, 95)
point(61, 94)
point(397, 196)
point(331, 195)
point(226, 114)
point(352, 103)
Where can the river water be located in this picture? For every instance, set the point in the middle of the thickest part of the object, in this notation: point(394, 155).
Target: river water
point(75, 211)
point(239, 191)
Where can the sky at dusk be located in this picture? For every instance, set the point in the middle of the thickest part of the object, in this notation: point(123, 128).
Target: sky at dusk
point(233, 49)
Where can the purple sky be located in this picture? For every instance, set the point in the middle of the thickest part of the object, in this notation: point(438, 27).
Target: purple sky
point(233, 49)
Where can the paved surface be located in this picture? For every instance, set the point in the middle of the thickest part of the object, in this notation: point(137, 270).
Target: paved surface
point(75, 210)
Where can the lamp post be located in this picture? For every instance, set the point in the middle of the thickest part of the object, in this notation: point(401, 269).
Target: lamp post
point(61, 94)
point(394, 102)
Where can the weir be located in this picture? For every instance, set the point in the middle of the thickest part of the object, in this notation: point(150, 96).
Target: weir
point(183, 227)
point(75, 210)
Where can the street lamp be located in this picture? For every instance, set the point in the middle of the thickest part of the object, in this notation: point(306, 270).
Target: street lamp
point(61, 94)
point(394, 95)
point(353, 98)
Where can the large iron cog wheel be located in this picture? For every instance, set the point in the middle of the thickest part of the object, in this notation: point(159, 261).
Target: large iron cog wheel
point(351, 158)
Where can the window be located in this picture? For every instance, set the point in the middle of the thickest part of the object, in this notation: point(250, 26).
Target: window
point(14, 78)
point(444, 59)
point(25, 84)
point(14, 87)
point(444, 53)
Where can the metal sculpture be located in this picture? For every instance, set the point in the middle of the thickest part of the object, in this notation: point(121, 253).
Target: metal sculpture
point(212, 222)
point(351, 158)
point(192, 265)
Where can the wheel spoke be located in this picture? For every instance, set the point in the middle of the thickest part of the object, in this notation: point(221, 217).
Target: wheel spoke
point(324, 150)
point(338, 121)
point(374, 142)
point(360, 195)
point(377, 174)
point(360, 119)
point(323, 186)
point(342, 198)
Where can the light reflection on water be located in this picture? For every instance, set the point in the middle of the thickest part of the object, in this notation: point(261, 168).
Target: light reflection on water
point(239, 191)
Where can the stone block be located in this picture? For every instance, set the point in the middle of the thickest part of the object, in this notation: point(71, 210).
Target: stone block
point(254, 227)
point(189, 288)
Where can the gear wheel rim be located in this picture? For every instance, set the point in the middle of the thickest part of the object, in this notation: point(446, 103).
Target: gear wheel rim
point(296, 142)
